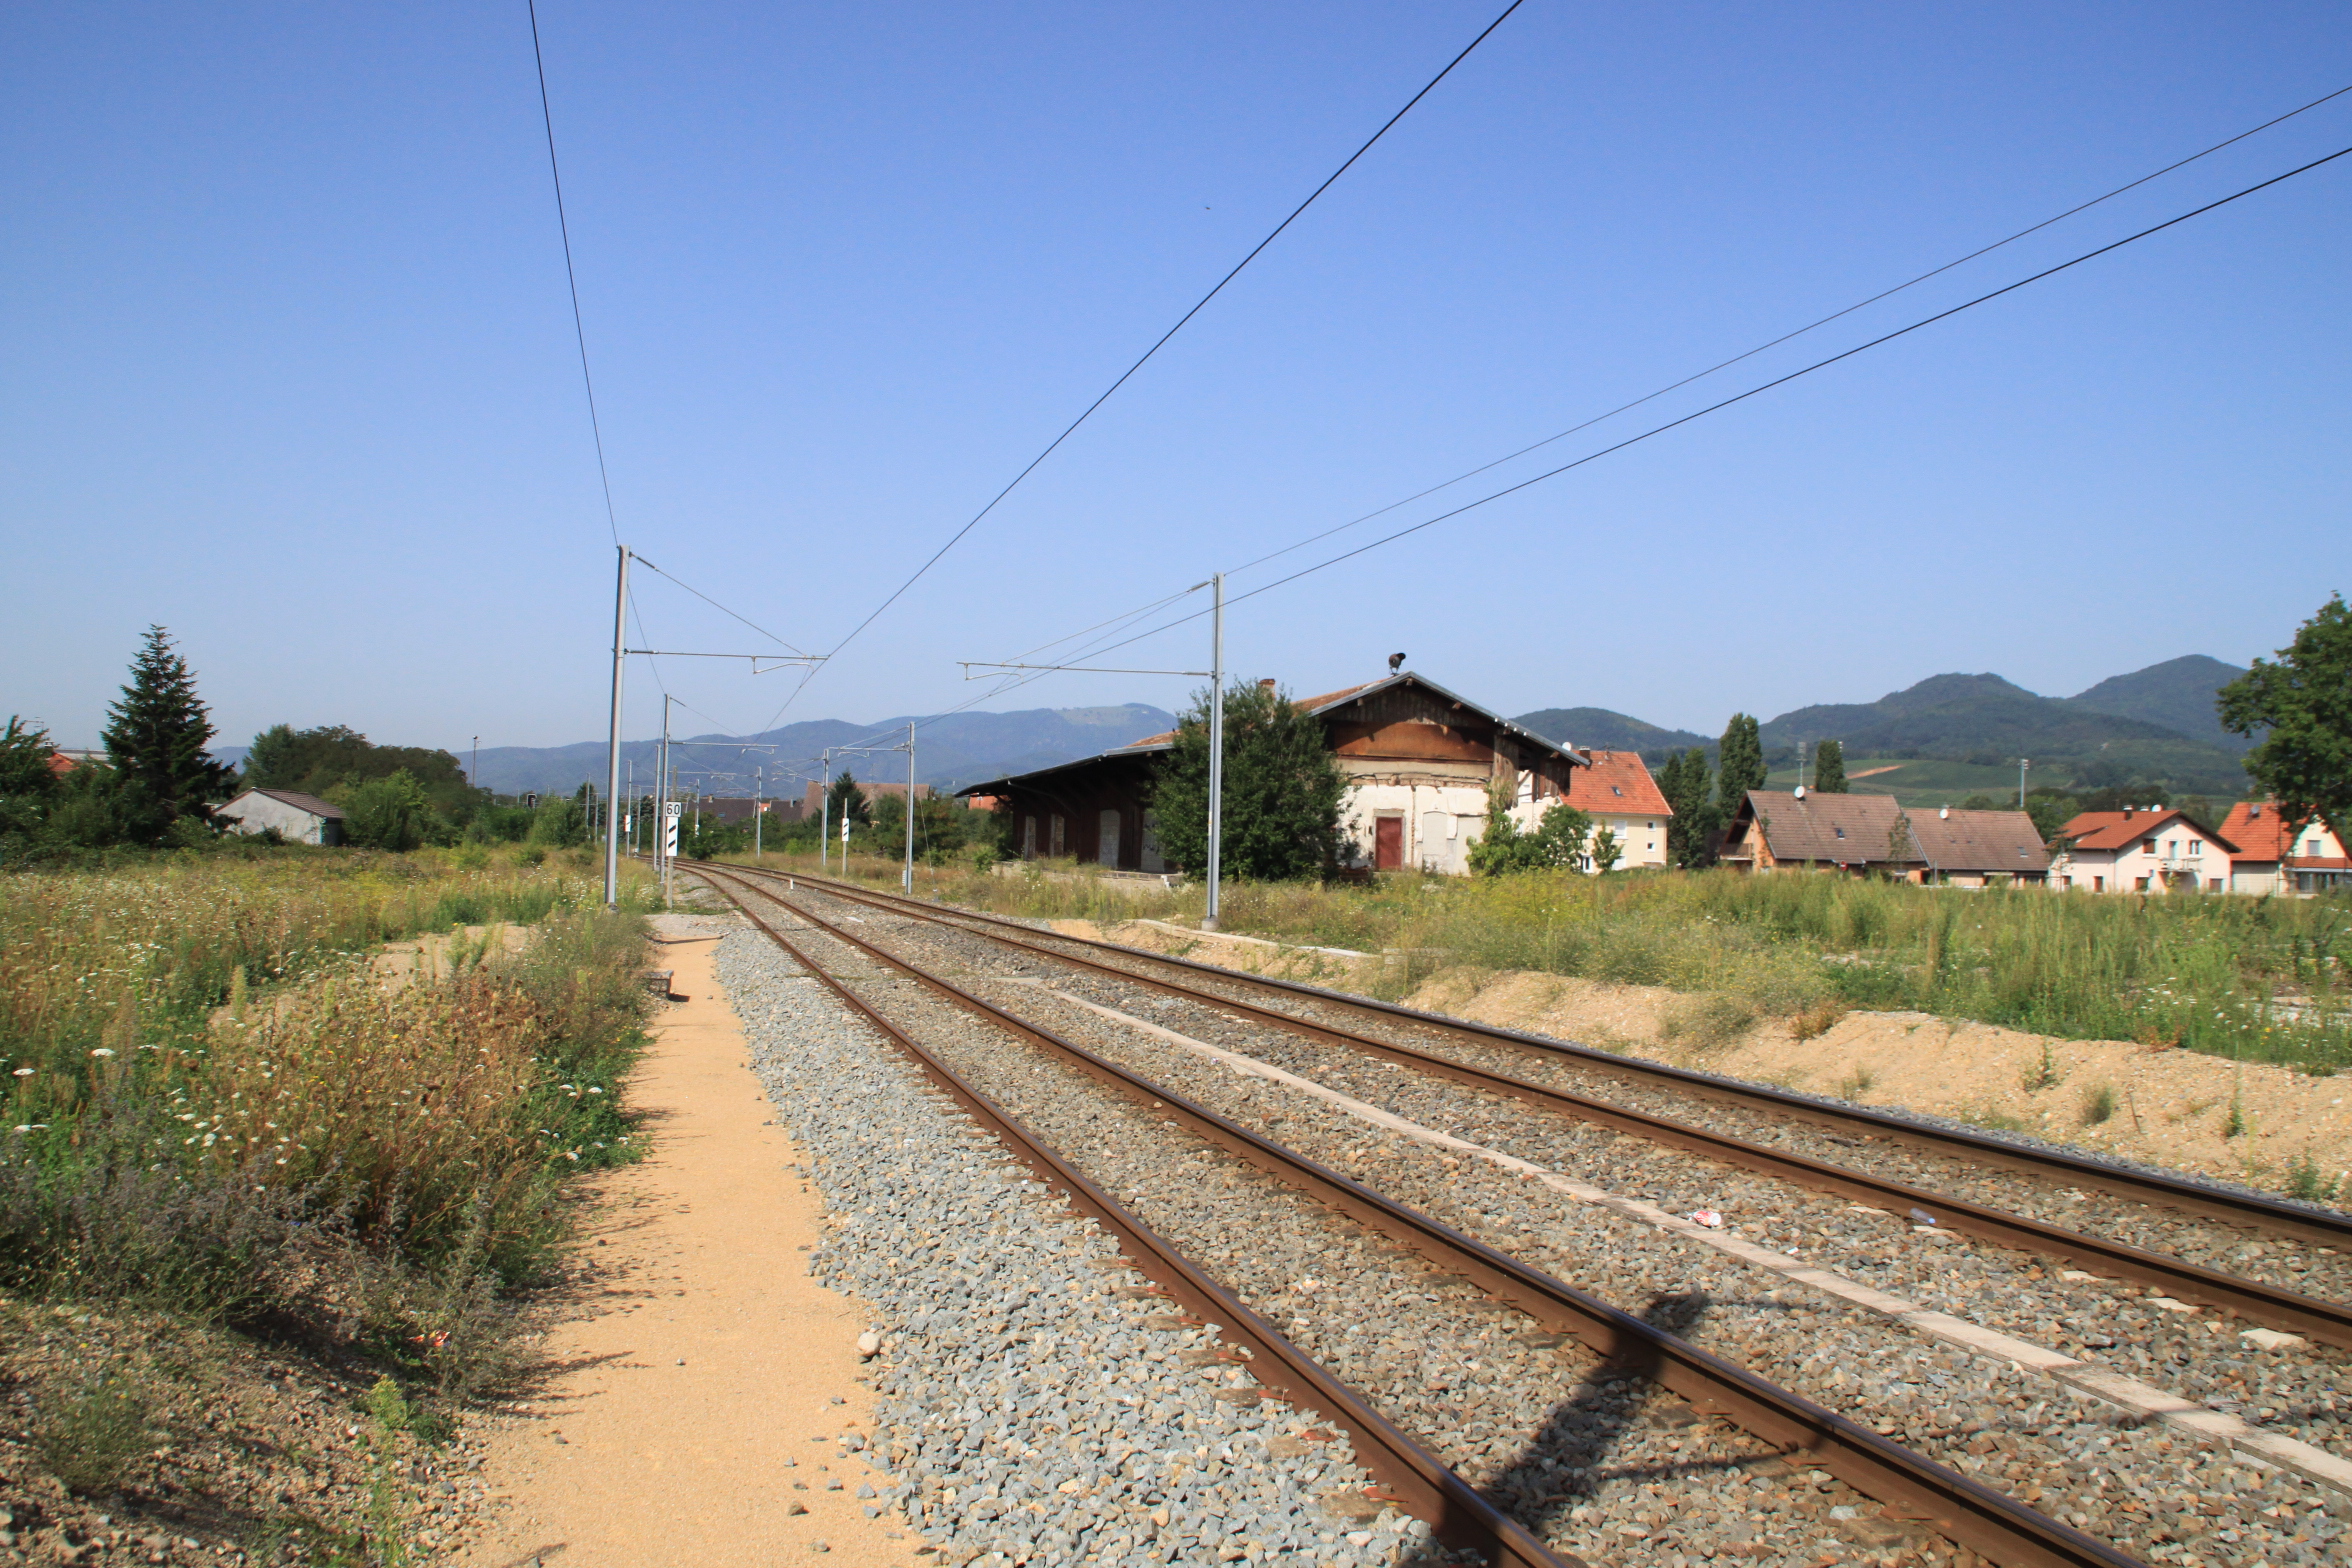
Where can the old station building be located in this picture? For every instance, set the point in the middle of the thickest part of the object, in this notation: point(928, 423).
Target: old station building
point(1418, 760)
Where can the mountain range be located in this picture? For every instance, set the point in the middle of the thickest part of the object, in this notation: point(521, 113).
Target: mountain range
point(2155, 726)
point(959, 749)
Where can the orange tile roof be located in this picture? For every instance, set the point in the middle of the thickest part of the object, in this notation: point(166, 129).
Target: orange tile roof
point(2258, 832)
point(2121, 829)
point(1617, 782)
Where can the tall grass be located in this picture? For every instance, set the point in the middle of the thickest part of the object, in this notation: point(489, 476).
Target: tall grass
point(2257, 979)
point(374, 1164)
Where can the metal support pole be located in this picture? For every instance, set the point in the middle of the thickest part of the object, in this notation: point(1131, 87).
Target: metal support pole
point(759, 779)
point(2021, 766)
point(612, 831)
point(907, 881)
point(825, 811)
point(661, 827)
point(1216, 750)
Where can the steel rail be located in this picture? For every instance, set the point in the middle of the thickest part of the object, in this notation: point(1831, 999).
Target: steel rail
point(1988, 1522)
point(2252, 1299)
point(2250, 1210)
point(1415, 1478)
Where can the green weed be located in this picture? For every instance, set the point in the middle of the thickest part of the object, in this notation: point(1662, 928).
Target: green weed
point(2098, 1104)
point(2305, 1180)
point(91, 1439)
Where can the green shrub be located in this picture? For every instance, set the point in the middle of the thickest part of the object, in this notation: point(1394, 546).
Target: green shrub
point(91, 1439)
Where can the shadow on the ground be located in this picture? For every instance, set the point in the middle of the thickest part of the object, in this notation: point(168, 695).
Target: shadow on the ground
point(1566, 1461)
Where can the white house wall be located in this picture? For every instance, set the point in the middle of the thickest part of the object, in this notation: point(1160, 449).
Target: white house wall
point(1641, 841)
point(257, 813)
point(1442, 821)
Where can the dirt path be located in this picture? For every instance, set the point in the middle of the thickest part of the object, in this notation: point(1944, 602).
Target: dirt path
point(702, 1358)
point(2181, 1109)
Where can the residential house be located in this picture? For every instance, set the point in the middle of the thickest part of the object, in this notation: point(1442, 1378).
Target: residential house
point(1418, 759)
point(296, 817)
point(2262, 861)
point(1619, 794)
point(1873, 835)
point(2140, 849)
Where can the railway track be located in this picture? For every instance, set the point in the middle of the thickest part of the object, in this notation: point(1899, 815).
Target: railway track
point(1256, 994)
point(883, 985)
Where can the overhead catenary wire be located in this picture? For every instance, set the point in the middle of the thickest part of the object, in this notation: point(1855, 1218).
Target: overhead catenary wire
point(1790, 336)
point(1741, 397)
point(1161, 342)
point(571, 277)
point(1724, 364)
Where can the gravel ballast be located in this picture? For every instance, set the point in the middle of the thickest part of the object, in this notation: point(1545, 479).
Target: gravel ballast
point(1602, 1465)
point(1025, 1411)
point(2151, 1491)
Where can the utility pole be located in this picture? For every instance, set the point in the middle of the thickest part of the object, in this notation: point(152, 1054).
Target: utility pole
point(476, 779)
point(759, 779)
point(1216, 749)
point(825, 811)
point(665, 826)
point(907, 880)
point(612, 830)
point(2022, 764)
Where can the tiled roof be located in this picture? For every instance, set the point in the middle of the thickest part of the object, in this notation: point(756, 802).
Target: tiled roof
point(1844, 829)
point(2256, 831)
point(300, 802)
point(1333, 699)
point(1979, 840)
point(1617, 782)
point(2111, 830)
point(1312, 704)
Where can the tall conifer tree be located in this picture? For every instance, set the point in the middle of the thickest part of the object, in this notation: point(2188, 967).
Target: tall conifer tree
point(1829, 768)
point(1684, 781)
point(1741, 764)
point(156, 737)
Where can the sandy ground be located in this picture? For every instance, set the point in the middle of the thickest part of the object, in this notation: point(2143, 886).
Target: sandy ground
point(698, 1356)
point(2168, 1107)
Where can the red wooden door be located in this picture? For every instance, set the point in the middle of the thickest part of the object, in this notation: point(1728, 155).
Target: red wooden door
point(1388, 843)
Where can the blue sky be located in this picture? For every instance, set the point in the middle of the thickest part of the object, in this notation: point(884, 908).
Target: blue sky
point(289, 359)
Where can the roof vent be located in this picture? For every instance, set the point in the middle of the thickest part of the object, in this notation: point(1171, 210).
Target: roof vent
point(1268, 683)
point(1944, 815)
point(1800, 792)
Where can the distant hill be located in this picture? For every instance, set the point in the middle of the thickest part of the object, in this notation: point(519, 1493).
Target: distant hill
point(1986, 720)
point(959, 749)
point(2178, 694)
point(2152, 726)
point(1600, 729)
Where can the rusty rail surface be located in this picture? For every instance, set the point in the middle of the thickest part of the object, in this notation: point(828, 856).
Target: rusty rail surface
point(1988, 1522)
point(2247, 1298)
point(1419, 1481)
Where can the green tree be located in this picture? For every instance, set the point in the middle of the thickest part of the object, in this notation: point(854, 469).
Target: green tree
point(28, 783)
point(1558, 840)
point(562, 820)
point(1604, 849)
point(314, 760)
point(1739, 764)
point(847, 803)
point(2304, 700)
point(156, 737)
point(390, 813)
point(1829, 768)
point(1283, 790)
point(1686, 783)
point(27, 759)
